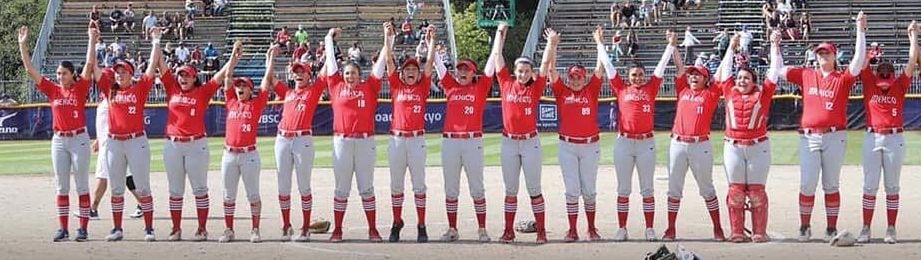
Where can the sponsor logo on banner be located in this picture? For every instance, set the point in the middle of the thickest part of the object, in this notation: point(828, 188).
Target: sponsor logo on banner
point(8, 124)
point(547, 116)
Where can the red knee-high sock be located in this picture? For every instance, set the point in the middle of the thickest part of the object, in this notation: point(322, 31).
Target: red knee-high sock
point(806, 203)
point(256, 211)
point(229, 208)
point(590, 214)
point(832, 203)
point(63, 203)
point(713, 207)
point(84, 201)
point(572, 213)
point(202, 203)
point(147, 210)
point(869, 204)
point(623, 210)
point(175, 212)
point(420, 208)
point(451, 208)
point(306, 208)
point(673, 205)
point(511, 206)
point(370, 211)
point(537, 205)
point(479, 206)
point(284, 203)
point(649, 210)
point(339, 206)
point(892, 208)
point(118, 205)
point(396, 201)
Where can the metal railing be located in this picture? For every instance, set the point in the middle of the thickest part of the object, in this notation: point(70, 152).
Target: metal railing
point(44, 35)
point(449, 24)
point(537, 26)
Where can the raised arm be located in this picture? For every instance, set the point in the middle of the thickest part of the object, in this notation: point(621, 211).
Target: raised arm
point(725, 69)
point(268, 80)
point(603, 58)
point(155, 53)
point(429, 59)
point(235, 56)
point(679, 62)
point(913, 51)
point(330, 53)
point(777, 70)
point(90, 69)
point(496, 56)
point(386, 54)
point(672, 39)
point(389, 31)
point(34, 74)
point(553, 40)
point(860, 46)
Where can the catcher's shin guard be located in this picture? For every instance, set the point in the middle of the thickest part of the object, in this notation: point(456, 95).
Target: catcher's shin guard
point(735, 201)
point(759, 208)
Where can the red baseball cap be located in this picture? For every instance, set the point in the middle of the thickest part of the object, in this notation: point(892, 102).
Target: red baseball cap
point(410, 61)
point(576, 70)
point(827, 46)
point(700, 70)
point(303, 66)
point(124, 64)
point(189, 70)
point(470, 64)
point(246, 81)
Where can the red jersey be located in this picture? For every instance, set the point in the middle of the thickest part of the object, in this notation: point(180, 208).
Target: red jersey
point(243, 118)
point(578, 110)
point(636, 105)
point(353, 108)
point(126, 107)
point(747, 114)
point(519, 103)
point(695, 108)
point(824, 98)
point(68, 106)
point(409, 103)
point(464, 111)
point(884, 108)
point(300, 105)
point(187, 109)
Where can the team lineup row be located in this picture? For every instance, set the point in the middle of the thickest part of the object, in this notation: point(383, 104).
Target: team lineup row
point(123, 144)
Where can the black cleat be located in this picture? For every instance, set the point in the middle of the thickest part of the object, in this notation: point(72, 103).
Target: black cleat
point(395, 231)
point(423, 235)
point(81, 235)
point(61, 235)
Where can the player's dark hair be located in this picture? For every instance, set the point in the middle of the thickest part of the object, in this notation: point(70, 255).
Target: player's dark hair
point(70, 67)
point(636, 64)
point(750, 71)
point(352, 64)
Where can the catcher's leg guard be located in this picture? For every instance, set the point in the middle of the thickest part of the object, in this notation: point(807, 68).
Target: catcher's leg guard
point(759, 207)
point(735, 200)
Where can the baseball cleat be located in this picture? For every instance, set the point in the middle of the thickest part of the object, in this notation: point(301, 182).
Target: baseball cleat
point(760, 238)
point(830, 234)
point(336, 236)
point(805, 234)
point(254, 236)
point(650, 234)
point(82, 235)
point(739, 238)
point(286, 233)
point(61, 235)
point(374, 236)
point(542, 237)
point(176, 235)
point(718, 235)
point(201, 235)
point(116, 235)
point(395, 232)
point(593, 235)
point(149, 235)
point(450, 235)
point(423, 236)
point(571, 236)
point(137, 213)
point(227, 237)
point(621, 235)
point(669, 235)
point(508, 236)
point(303, 237)
point(864, 236)
point(484, 236)
point(890, 236)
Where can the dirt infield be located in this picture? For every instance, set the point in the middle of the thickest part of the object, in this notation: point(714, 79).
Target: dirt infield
point(29, 221)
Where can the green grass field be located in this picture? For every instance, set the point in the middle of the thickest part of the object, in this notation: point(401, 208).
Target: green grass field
point(31, 157)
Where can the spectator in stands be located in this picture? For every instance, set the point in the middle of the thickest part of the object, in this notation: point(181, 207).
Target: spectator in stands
point(301, 36)
point(110, 58)
point(722, 42)
point(211, 66)
point(615, 14)
point(783, 7)
point(645, 13)
point(188, 28)
point(771, 18)
point(657, 6)
point(208, 7)
point(149, 23)
point(745, 39)
point(219, 6)
point(190, 8)
point(100, 49)
point(118, 48)
point(809, 55)
point(116, 19)
point(283, 38)
point(182, 54)
point(633, 43)
point(789, 26)
point(407, 30)
point(688, 43)
point(210, 51)
point(800, 4)
point(169, 53)
point(422, 51)
point(628, 14)
point(422, 30)
point(355, 53)
point(615, 50)
point(875, 53)
point(320, 53)
point(197, 57)
point(411, 9)
point(298, 52)
point(713, 64)
point(805, 22)
point(129, 18)
point(701, 60)
point(94, 16)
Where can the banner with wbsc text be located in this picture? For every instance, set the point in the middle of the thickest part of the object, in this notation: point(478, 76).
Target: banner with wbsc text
point(35, 122)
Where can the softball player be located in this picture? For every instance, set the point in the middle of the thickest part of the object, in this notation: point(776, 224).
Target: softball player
point(185, 153)
point(354, 104)
point(883, 145)
point(127, 138)
point(824, 141)
point(70, 146)
point(690, 145)
point(521, 149)
point(409, 91)
point(635, 146)
point(294, 150)
point(746, 150)
point(579, 151)
point(241, 159)
point(462, 143)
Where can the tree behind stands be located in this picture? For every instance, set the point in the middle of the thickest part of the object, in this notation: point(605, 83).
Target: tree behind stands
point(16, 13)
